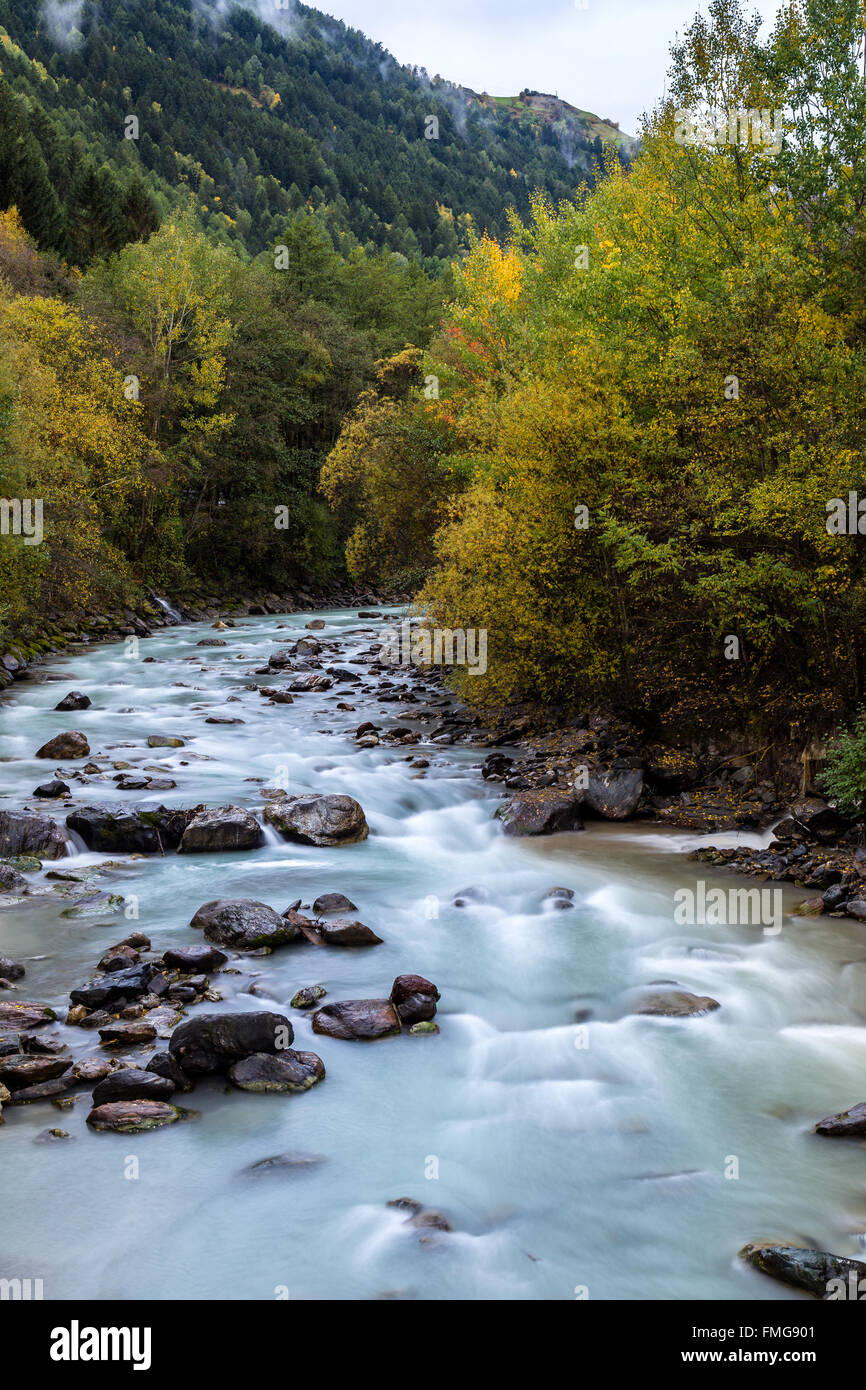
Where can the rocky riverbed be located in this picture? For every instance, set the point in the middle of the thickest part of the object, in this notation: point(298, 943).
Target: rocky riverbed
point(325, 930)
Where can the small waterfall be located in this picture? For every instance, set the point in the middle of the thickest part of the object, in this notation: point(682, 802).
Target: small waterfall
point(166, 607)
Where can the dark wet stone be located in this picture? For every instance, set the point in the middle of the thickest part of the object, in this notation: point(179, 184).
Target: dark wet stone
point(211, 1042)
point(70, 744)
point(342, 931)
point(133, 1116)
point(281, 1071)
point(91, 1069)
point(163, 1064)
point(28, 833)
point(11, 969)
point(11, 881)
point(318, 820)
point(133, 1084)
point(21, 1071)
point(112, 988)
point(545, 811)
point(19, 1014)
point(119, 958)
point(224, 828)
point(847, 1123)
point(333, 902)
point(614, 794)
point(113, 828)
point(414, 998)
point(49, 791)
point(194, 958)
point(824, 1275)
point(128, 1034)
point(243, 923)
point(357, 1019)
point(42, 1090)
point(74, 700)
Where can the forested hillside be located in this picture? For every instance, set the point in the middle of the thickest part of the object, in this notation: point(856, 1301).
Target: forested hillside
point(126, 100)
point(648, 401)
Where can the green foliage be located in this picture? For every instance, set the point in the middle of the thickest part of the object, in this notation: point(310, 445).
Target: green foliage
point(263, 127)
point(844, 777)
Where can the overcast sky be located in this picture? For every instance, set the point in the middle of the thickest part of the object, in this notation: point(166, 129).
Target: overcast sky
point(606, 56)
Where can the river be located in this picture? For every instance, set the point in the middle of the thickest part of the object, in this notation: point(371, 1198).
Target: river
point(572, 1160)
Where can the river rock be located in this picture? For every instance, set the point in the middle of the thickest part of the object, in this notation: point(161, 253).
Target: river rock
point(308, 996)
point(614, 794)
point(11, 969)
point(813, 1270)
point(20, 1015)
point(211, 1042)
point(165, 741)
point(281, 1071)
point(130, 829)
point(91, 1069)
point(18, 1072)
point(133, 1116)
point(224, 828)
point(119, 958)
point(318, 820)
point(333, 902)
point(414, 998)
point(31, 833)
point(357, 1019)
point(342, 931)
point(675, 1003)
point(315, 624)
point(847, 1123)
point(129, 1034)
point(74, 700)
point(11, 881)
point(194, 960)
point(42, 1090)
point(243, 923)
point(67, 745)
point(120, 986)
point(163, 1064)
point(544, 811)
point(130, 1083)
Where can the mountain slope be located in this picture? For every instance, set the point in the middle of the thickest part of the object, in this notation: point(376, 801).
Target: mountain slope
point(262, 125)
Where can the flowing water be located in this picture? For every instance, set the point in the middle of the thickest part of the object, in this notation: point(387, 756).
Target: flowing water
point(570, 1158)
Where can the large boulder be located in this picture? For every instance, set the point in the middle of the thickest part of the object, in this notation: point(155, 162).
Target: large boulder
point(65, 746)
point(111, 989)
point(29, 832)
point(130, 829)
point(357, 1019)
point(819, 1273)
point(541, 812)
point(318, 820)
point(848, 1123)
point(333, 902)
point(212, 1042)
point(614, 794)
point(243, 923)
point(277, 1071)
point(132, 1084)
point(414, 998)
point(226, 827)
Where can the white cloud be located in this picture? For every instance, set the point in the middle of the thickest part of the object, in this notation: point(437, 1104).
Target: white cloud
point(61, 19)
